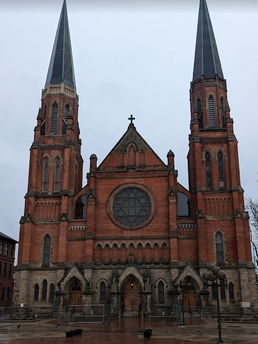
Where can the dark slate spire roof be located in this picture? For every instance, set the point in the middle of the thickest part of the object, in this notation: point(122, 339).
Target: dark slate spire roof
point(61, 62)
point(207, 60)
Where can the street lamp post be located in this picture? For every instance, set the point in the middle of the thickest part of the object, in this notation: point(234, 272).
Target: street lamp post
point(216, 275)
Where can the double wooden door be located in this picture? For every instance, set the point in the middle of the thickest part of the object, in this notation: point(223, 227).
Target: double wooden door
point(75, 294)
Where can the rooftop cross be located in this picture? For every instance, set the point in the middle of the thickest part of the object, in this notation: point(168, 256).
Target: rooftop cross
point(131, 118)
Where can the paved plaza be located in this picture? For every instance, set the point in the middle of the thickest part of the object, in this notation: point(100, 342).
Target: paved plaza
point(129, 331)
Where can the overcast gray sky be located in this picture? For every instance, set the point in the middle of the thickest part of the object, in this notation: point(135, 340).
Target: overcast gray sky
point(130, 57)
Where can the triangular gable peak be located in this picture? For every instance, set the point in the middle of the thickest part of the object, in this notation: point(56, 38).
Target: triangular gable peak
point(131, 152)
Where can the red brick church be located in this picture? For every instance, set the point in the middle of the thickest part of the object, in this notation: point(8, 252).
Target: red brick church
point(131, 234)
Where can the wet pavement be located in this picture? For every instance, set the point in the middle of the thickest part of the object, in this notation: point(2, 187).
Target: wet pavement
point(129, 331)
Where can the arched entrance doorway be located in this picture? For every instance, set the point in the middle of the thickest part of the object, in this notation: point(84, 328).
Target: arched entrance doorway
point(189, 296)
point(75, 293)
point(131, 296)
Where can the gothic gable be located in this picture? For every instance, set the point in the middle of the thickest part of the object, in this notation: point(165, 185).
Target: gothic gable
point(132, 152)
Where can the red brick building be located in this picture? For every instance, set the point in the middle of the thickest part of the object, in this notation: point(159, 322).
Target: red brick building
point(132, 233)
point(7, 256)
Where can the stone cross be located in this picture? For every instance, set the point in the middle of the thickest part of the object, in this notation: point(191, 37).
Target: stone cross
point(131, 118)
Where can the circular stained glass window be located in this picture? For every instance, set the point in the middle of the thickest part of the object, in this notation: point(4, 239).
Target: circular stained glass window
point(131, 206)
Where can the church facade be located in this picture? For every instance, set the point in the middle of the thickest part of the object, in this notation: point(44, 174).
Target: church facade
point(133, 233)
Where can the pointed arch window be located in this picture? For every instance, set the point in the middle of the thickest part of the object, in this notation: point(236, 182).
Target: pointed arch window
point(45, 174)
point(44, 290)
point(6, 249)
point(43, 124)
point(223, 112)
point(46, 252)
point(57, 174)
point(221, 169)
point(208, 169)
point(102, 294)
point(183, 204)
point(36, 292)
point(231, 291)
point(80, 207)
point(219, 248)
point(222, 290)
point(52, 293)
point(211, 106)
point(161, 294)
point(199, 113)
point(66, 113)
point(54, 118)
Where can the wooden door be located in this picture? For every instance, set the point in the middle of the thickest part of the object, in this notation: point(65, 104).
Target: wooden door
point(75, 294)
point(189, 300)
point(132, 296)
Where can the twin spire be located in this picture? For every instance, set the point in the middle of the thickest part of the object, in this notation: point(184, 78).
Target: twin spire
point(61, 63)
point(206, 63)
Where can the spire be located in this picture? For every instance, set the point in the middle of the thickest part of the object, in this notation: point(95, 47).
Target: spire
point(207, 60)
point(61, 62)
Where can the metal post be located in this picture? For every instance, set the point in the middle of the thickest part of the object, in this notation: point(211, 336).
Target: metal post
point(213, 276)
point(218, 314)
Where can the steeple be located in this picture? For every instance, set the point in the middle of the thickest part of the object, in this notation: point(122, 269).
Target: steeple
point(61, 63)
point(207, 60)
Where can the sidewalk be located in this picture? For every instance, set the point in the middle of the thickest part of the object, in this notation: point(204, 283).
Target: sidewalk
point(129, 331)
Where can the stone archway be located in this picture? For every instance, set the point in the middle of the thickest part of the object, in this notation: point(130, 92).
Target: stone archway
point(131, 296)
point(73, 292)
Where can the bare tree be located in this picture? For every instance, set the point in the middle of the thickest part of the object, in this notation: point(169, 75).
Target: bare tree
point(252, 207)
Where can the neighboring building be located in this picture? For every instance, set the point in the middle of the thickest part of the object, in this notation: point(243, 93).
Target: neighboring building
point(7, 256)
point(132, 233)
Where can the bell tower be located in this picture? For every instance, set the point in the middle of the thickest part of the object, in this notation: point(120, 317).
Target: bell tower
point(214, 177)
point(55, 168)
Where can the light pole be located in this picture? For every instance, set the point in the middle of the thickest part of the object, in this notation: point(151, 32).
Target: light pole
point(216, 275)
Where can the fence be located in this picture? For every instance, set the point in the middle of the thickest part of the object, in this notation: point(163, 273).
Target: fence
point(87, 313)
point(102, 313)
point(236, 314)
